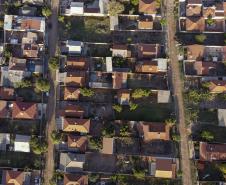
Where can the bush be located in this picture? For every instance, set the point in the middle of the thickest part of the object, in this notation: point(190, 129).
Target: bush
point(222, 168)
point(117, 108)
point(53, 63)
point(46, 11)
point(87, 92)
point(95, 143)
point(170, 122)
point(24, 83)
point(115, 8)
point(56, 137)
point(38, 146)
point(139, 93)
point(93, 178)
point(42, 85)
point(139, 174)
point(132, 106)
point(61, 18)
point(207, 135)
point(163, 22)
point(200, 38)
point(210, 20)
point(134, 2)
point(108, 130)
point(124, 131)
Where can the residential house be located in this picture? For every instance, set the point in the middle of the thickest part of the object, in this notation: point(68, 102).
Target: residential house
point(76, 78)
point(76, 125)
point(24, 110)
point(120, 51)
point(71, 93)
point(145, 22)
point(70, 179)
point(73, 47)
point(4, 109)
point(148, 51)
point(35, 2)
point(217, 86)
point(151, 66)
point(202, 16)
point(108, 146)
point(71, 162)
point(163, 168)
point(14, 72)
point(123, 96)
point(10, 177)
point(7, 93)
point(148, 7)
point(76, 63)
point(4, 141)
point(77, 143)
point(72, 110)
point(24, 23)
point(212, 152)
point(119, 80)
point(154, 131)
point(22, 143)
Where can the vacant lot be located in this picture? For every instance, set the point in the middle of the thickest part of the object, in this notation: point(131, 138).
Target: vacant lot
point(208, 116)
point(19, 160)
point(87, 29)
point(28, 127)
point(96, 162)
point(127, 145)
point(29, 94)
point(147, 112)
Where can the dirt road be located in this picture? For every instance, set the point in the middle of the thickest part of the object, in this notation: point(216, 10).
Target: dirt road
point(52, 38)
point(177, 86)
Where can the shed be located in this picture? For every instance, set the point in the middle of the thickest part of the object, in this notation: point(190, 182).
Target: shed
point(221, 117)
point(164, 96)
point(108, 145)
point(22, 143)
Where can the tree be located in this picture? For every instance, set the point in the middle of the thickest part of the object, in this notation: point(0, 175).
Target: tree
point(117, 108)
point(1, 23)
point(115, 7)
point(176, 137)
point(108, 130)
point(53, 63)
point(38, 146)
point(134, 2)
point(46, 11)
point(87, 92)
point(132, 106)
point(222, 167)
point(210, 20)
point(163, 22)
point(24, 83)
point(170, 122)
point(56, 137)
point(139, 93)
point(207, 135)
point(61, 18)
point(200, 38)
point(139, 174)
point(205, 85)
point(42, 85)
point(95, 143)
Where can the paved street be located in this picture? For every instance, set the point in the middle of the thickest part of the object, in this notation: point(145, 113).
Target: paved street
point(177, 86)
point(52, 38)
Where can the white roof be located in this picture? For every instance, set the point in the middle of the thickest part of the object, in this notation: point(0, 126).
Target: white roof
point(8, 22)
point(162, 64)
point(74, 46)
point(22, 143)
point(113, 22)
point(109, 64)
point(222, 117)
point(163, 96)
point(77, 8)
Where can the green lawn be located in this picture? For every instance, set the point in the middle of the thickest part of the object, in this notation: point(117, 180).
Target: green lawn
point(147, 112)
point(18, 159)
point(90, 29)
point(218, 132)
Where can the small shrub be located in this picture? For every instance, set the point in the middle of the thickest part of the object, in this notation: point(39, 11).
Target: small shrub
point(200, 38)
point(53, 63)
point(46, 11)
point(117, 108)
point(139, 93)
point(207, 135)
point(115, 7)
point(87, 92)
point(132, 106)
point(42, 85)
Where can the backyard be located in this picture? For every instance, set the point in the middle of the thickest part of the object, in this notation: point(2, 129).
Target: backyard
point(86, 29)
